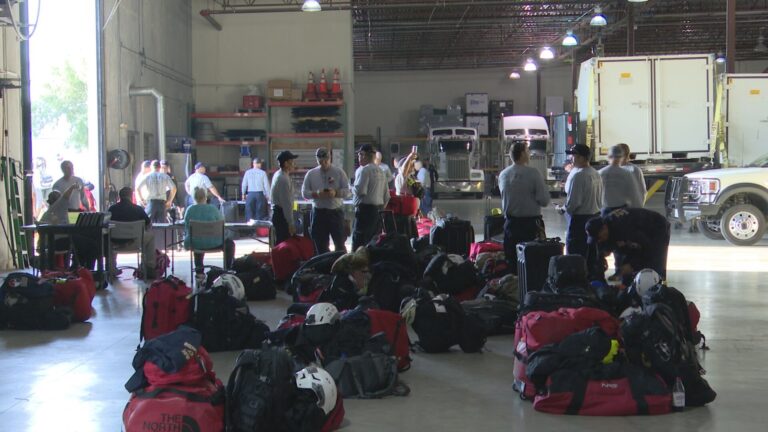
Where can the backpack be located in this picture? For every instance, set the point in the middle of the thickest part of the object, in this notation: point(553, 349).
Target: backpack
point(348, 340)
point(27, 303)
point(225, 322)
point(686, 315)
point(174, 386)
point(303, 280)
point(259, 284)
point(396, 331)
point(566, 271)
point(496, 316)
point(367, 376)
point(390, 283)
point(451, 274)
point(166, 305)
point(392, 247)
point(303, 414)
point(259, 390)
point(439, 323)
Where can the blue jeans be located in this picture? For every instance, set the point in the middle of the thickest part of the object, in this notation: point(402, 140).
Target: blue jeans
point(255, 206)
point(426, 202)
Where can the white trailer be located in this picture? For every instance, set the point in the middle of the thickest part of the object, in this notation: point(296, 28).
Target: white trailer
point(661, 106)
point(746, 117)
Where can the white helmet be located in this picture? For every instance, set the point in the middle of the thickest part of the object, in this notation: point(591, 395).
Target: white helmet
point(233, 284)
point(645, 280)
point(322, 313)
point(319, 381)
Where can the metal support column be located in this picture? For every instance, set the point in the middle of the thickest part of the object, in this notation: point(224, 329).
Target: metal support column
point(730, 37)
point(630, 29)
point(26, 116)
point(539, 108)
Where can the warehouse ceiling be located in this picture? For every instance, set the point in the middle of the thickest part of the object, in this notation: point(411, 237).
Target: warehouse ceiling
point(452, 34)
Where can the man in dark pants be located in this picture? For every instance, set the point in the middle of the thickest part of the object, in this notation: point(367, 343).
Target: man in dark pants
point(642, 237)
point(126, 211)
point(326, 185)
point(283, 197)
point(584, 191)
point(523, 194)
point(255, 189)
point(370, 196)
point(158, 185)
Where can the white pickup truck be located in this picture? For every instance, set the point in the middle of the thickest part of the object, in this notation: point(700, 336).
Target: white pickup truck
point(730, 203)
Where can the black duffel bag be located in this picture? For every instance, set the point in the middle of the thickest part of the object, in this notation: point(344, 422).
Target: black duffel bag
point(367, 376)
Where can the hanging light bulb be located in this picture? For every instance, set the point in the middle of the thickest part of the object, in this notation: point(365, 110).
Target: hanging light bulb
point(514, 75)
point(530, 65)
point(546, 53)
point(311, 6)
point(570, 40)
point(598, 19)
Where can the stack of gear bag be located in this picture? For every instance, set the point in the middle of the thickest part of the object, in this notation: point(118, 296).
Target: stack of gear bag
point(452, 274)
point(257, 277)
point(223, 318)
point(166, 305)
point(28, 303)
point(313, 277)
point(75, 290)
point(288, 256)
point(174, 386)
point(441, 323)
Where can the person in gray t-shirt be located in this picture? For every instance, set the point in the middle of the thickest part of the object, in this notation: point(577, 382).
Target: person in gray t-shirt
point(619, 188)
point(327, 186)
point(637, 175)
point(584, 191)
point(77, 200)
point(282, 198)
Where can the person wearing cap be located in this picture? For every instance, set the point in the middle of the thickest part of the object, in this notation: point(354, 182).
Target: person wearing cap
point(637, 175)
point(282, 197)
point(370, 195)
point(640, 236)
point(619, 191)
point(157, 185)
point(146, 169)
point(199, 180)
point(326, 185)
point(584, 190)
point(255, 190)
point(523, 194)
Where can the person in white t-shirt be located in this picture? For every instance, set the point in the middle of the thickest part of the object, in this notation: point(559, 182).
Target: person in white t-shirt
point(200, 180)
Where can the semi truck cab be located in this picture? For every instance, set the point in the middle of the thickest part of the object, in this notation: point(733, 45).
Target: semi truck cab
point(454, 152)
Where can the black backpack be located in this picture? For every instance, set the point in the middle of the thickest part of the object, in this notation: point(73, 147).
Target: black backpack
point(259, 284)
point(496, 316)
point(566, 272)
point(441, 323)
point(26, 303)
point(449, 277)
point(259, 390)
point(225, 322)
point(676, 300)
point(302, 279)
point(390, 283)
point(351, 337)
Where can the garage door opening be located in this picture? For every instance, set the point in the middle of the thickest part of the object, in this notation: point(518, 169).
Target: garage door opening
point(63, 59)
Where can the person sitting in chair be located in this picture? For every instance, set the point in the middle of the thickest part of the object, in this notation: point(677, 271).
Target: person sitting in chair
point(126, 211)
point(58, 214)
point(202, 212)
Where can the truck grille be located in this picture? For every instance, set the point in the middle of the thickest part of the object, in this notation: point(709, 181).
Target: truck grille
point(458, 168)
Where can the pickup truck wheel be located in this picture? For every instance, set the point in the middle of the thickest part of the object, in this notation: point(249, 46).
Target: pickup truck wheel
point(743, 225)
point(710, 228)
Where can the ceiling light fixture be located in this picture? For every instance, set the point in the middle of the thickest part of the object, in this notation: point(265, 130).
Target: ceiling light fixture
point(570, 40)
point(760, 47)
point(311, 6)
point(514, 75)
point(720, 58)
point(546, 53)
point(598, 19)
point(637, 1)
point(530, 66)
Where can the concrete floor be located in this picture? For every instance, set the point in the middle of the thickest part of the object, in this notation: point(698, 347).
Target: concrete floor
point(73, 380)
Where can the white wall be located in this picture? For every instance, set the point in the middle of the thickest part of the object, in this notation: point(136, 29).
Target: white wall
point(10, 112)
point(391, 100)
point(254, 48)
point(147, 43)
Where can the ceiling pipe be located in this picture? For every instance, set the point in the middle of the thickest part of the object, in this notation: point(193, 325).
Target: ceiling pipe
point(134, 92)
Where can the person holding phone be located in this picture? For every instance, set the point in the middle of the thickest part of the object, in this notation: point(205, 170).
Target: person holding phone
point(326, 186)
point(404, 171)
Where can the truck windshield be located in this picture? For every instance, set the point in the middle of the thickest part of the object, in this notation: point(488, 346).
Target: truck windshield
point(761, 162)
point(455, 146)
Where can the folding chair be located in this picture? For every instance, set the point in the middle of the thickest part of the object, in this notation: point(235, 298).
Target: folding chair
point(128, 237)
point(199, 230)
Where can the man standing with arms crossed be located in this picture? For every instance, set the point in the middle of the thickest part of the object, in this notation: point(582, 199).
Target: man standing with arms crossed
point(370, 196)
point(584, 191)
point(523, 194)
point(158, 200)
point(282, 198)
point(327, 186)
point(255, 189)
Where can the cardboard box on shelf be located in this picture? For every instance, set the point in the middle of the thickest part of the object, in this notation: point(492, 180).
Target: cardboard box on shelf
point(279, 89)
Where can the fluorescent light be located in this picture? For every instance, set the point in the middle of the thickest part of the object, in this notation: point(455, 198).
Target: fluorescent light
point(637, 1)
point(598, 20)
point(311, 6)
point(530, 65)
point(514, 75)
point(570, 40)
point(546, 53)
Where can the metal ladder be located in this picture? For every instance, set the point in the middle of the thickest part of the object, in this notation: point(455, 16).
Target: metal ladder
point(12, 175)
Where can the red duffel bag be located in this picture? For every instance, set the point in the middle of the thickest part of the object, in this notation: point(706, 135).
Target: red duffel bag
point(403, 204)
point(476, 249)
point(636, 391)
point(74, 290)
point(544, 328)
point(288, 255)
point(396, 332)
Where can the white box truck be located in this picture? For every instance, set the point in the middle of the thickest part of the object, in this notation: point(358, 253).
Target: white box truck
point(661, 106)
point(745, 113)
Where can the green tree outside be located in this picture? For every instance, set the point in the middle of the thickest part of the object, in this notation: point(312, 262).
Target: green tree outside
point(64, 102)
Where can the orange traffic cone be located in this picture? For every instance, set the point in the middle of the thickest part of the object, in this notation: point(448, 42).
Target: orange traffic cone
point(336, 89)
point(311, 92)
point(323, 88)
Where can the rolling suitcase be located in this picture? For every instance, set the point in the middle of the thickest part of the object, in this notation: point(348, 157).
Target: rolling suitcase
point(493, 225)
point(533, 263)
point(453, 236)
